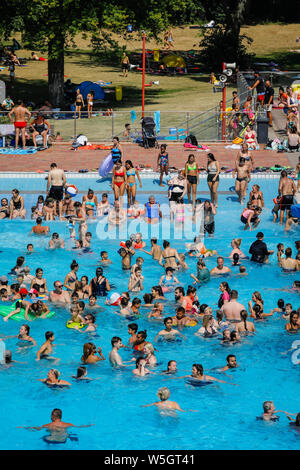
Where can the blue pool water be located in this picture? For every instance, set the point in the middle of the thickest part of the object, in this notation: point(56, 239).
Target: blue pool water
point(113, 403)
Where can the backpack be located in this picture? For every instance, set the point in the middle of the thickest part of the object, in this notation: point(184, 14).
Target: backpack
point(191, 139)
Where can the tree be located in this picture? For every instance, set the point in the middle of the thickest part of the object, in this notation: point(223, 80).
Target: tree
point(224, 42)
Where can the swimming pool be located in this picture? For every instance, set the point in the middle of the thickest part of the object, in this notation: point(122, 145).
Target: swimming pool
point(226, 417)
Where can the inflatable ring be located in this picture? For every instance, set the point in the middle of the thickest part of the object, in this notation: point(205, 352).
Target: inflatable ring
point(72, 190)
point(73, 324)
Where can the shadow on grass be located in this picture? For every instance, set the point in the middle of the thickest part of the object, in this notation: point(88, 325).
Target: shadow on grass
point(288, 60)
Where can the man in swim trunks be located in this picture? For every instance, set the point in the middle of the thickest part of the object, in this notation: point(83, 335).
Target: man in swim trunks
point(58, 296)
point(55, 186)
point(20, 112)
point(287, 190)
point(243, 175)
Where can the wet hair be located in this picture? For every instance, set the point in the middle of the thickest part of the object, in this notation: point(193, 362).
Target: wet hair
point(7, 356)
point(135, 301)
point(56, 413)
point(199, 368)
point(27, 328)
point(166, 244)
point(257, 310)
point(133, 326)
point(180, 289)
point(88, 349)
point(163, 393)
point(202, 308)
point(115, 339)
point(236, 258)
point(49, 334)
point(148, 298)
point(74, 264)
point(19, 263)
point(168, 319)
point(258, 296)
point(137, 362)
point(191, 290)
point(142, 333)
point(158, 289)
point(267, 406)
point(244, 316)
point(234, 294)
point(280, 303)
point(288, 252)
point(81, 371)
point(233, 335)
point(81, 304)
point(230, 356)
point(219, 315)
point(237, 241)
point(39, 220)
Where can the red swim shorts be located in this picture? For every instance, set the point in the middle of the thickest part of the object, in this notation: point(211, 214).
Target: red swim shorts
point(20, 124)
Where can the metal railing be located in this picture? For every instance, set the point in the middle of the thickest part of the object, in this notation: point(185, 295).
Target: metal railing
point(172, 126)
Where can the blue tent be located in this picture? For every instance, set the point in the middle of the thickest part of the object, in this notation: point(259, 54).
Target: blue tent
point(86, 87)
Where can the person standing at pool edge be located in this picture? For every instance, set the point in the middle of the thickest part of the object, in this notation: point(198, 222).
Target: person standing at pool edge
point(55, 186)
point(20, 112)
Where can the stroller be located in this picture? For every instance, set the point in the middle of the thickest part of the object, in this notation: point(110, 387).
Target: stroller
point(149, 133)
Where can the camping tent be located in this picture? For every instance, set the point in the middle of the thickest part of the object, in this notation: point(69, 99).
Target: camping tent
point(172, 60)
point(86, 87)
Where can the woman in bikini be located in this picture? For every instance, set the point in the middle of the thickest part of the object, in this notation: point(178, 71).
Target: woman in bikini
point(131, 173)
point(119, 180)
point(38, 282)
point(78, 103)
point(71, 277)
point(90, 202)
point(163, 162)
point(192, 175)
point(256, 196)
point(213, 171)
point(90, 103)
point(170, 256)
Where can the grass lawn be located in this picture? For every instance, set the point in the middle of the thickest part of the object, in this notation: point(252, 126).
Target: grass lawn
point(174, 96)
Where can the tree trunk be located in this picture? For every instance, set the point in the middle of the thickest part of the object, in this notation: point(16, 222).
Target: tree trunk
point(56, 71)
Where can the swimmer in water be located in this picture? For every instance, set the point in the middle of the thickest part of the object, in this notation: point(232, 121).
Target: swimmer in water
point(23, 335)
point(169, 332)
point(114, 356)
point(104, 261)
point(157, 311)
point(53, 379)
point(57, 427)
point(140, 369)
point(231, 363)
point(47, 348)
point(171, 368)
point(269, 412)
point(198, 374)
point(164, 403)
point(81, 374)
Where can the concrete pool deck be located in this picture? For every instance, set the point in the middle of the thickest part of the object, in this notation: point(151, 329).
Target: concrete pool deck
point(71, 160)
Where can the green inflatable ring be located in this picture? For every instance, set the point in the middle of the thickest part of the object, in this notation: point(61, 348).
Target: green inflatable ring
point(73, 324)
point(20, 316)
